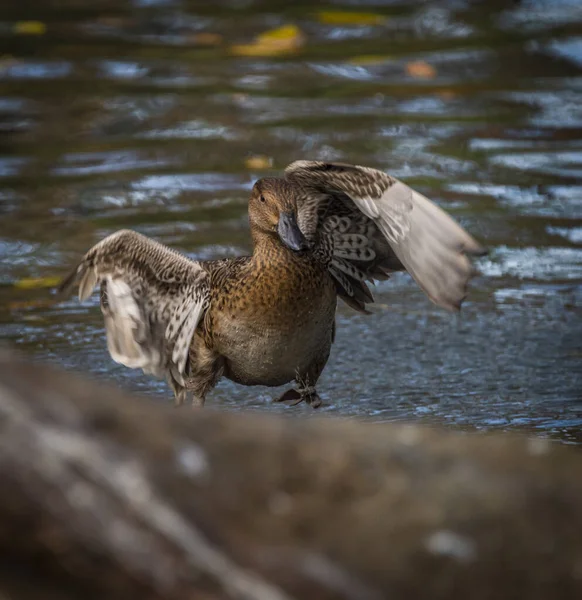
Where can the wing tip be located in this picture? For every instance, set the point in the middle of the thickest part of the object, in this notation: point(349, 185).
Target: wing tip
point(472, 248)
point(480, 251)
point(451, 305)
point(66, 285)
point(84, 276)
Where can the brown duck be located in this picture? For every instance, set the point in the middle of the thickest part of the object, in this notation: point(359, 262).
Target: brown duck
point(321, 231)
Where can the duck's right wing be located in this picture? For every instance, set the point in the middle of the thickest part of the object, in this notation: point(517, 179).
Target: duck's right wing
point(377, 224)
point(152, 299)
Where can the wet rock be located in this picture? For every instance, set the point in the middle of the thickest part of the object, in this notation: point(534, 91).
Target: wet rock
point(110, 496)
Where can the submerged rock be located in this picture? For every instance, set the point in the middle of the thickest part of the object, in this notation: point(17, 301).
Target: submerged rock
point(105, 495)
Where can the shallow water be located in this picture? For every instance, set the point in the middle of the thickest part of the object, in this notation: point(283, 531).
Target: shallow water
point(148, 114)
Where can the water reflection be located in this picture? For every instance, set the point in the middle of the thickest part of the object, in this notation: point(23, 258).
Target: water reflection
point(158, 115)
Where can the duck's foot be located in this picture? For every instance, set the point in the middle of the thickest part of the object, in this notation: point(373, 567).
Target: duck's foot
point(307, 394)
point(312, 397)
point(291, 394)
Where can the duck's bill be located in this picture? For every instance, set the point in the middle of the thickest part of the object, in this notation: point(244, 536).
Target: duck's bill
point(290, 233)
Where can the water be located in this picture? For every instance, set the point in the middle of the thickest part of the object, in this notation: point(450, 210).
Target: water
point(149, 114)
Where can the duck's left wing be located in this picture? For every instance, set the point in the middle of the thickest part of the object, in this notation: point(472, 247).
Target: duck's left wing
point(382, 225)
point(152, 299)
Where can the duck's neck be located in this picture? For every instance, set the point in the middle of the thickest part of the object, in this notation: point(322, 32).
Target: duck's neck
point(269, 250)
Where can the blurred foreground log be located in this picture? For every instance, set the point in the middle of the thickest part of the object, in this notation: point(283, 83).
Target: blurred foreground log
point(110, 496)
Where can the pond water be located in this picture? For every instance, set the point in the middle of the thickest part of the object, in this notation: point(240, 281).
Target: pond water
point(158, 115)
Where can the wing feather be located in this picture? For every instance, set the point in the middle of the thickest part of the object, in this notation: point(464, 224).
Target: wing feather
point(423, 239)
point(152, 301)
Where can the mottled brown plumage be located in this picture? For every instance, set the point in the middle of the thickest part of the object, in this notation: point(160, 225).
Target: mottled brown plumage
point(321, 231)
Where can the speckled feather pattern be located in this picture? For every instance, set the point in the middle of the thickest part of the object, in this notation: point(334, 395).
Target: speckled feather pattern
point(273, 319)
point(409, 231)
point(152, 298)
point(269, 318)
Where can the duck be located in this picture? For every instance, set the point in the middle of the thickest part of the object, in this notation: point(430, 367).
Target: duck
point(321, 232)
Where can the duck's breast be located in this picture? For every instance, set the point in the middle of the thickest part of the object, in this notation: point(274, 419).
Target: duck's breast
point(276, 326)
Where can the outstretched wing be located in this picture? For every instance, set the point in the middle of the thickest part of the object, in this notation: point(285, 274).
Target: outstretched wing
point(376, 224)
point(152, 299)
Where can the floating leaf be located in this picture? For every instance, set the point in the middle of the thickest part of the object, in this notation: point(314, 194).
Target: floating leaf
point(259, 162)
point(29, 283)
point(344, 17)
point(29, 28)
point(285, 32)
point(283, 40)
point(421, 69)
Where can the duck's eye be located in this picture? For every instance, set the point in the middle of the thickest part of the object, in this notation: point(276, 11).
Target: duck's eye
point(262, 198)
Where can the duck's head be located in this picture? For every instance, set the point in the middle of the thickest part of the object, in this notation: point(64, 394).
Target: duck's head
point(273, 210)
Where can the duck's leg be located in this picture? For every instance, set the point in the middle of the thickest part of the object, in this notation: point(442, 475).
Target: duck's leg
point(310, 395)
point(207, 368)
point(181, 395)
point(180, 392)
point(307, 380)
point(198, 401)
point(202, 383)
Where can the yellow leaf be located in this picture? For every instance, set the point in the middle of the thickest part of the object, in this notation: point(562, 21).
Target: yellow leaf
point(344, 17)
point(258, 162)
point(29, 283)
point(283, 40)
point(285, 32)
point(421, 69)
point(368, 59)
point(29, 28)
